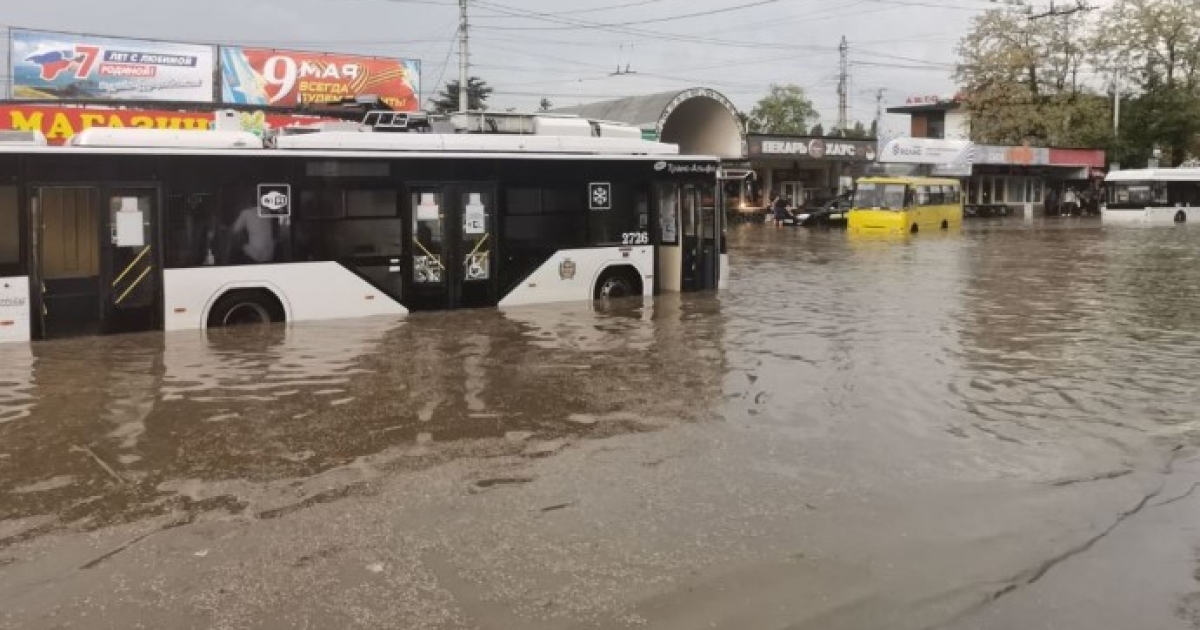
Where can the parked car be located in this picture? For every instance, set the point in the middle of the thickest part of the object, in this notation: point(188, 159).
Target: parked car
point(831, 213)
point(987, 210)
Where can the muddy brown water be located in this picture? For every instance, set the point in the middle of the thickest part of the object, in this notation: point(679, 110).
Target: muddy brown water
point(1028, 381)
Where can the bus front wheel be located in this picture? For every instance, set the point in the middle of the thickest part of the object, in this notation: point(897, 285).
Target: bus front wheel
point(913, 230)
point(618, 282)
point(1181, 217)
point(242, 307)
point(945, 224)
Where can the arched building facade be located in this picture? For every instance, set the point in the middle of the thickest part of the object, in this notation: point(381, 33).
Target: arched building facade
point(699, 120)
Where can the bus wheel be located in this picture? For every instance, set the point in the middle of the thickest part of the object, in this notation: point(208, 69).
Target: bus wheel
point(246, 307)
point(914, 229)
point(945, 224)
point(1181, 217)
point(618, 282)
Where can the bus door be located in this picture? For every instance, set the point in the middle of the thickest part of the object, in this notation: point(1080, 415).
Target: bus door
point(701, 248)
point(452, 256)
point(94, 264)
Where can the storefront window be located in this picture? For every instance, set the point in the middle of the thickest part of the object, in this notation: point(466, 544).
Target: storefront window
point(10, 237)
point(1016, 189)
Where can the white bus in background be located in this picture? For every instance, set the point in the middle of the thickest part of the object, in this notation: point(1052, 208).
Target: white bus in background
point(130, 229)
point(1152, 195)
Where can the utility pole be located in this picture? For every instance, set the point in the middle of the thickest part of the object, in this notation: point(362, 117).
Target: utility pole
point(879, 112)
point(1116, 103)
point(843, 84)
point(463, 80)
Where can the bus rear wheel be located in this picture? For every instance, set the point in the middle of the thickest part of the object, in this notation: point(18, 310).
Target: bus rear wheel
point(1181, 217)
point(914, 229)
point(242, 307)
point(945, 224)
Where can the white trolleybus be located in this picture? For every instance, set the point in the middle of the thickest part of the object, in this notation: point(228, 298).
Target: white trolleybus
point(1152, 195)
point(130, 230)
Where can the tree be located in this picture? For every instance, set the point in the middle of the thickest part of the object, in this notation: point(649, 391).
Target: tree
point(874, 129)
point(817, 130)
point(785, 109)
point(546, 105)
point(1153, 46)
point(1021, 77)
point(477, 96)
point(858, 132)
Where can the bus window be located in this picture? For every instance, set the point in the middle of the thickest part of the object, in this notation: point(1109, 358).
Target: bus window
point(339, 224)
point(689, 211)
point(428, 220)
point(10, 236)
point(668, 213)
point(922, 196)
point(219, 226)
point(537, 222)
point(608, 227)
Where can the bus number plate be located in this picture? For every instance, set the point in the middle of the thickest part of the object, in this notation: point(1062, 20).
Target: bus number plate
point(635, 238)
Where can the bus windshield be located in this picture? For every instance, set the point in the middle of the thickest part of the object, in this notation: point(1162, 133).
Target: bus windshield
point(882, 196)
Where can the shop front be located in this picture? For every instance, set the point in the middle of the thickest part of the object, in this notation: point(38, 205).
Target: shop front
point(805, 170)
point(1034, 180)
point(1002, 180)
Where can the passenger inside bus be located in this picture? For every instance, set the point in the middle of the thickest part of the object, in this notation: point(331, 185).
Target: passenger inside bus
point(257, 236)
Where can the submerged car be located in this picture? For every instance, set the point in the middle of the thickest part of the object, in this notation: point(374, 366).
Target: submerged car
point(828, 214)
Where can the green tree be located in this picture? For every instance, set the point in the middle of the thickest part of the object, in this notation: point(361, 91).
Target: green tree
point(785, 109)
point(858, 132)
point(477, 96)
point(874, 133)
point(817, 130)
point(1021, 77)
point(1153, 47)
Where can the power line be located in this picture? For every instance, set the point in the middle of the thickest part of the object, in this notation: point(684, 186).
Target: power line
point(591, 10)
point(1079, 7)
point(660, 35)
point(672, 18)
point(445, 64)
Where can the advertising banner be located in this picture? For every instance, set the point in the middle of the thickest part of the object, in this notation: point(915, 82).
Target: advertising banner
point(928, 151)
point(83, 67)
point(256, 76)
point(1018, 156)
point(59, 123)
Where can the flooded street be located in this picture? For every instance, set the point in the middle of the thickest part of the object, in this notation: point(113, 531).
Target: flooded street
point(992, 429)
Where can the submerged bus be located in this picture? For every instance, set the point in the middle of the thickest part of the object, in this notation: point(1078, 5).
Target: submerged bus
point(1152, 195)
point(131, 230)
point(905, 204)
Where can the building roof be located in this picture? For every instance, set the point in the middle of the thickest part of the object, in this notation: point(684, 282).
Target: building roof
point(699, 120)
point(943, 106)
point(643, 111)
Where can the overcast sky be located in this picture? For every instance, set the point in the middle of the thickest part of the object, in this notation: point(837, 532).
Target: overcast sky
point(565, 51)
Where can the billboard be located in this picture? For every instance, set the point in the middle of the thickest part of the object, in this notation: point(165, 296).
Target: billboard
point(59, 123)
point(48, 65)
point(257, 76)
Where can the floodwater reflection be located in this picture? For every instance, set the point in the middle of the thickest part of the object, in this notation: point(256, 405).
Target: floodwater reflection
point(112, 422)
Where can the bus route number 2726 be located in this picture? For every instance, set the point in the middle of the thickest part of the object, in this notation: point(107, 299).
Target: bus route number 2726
point(635, 238)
